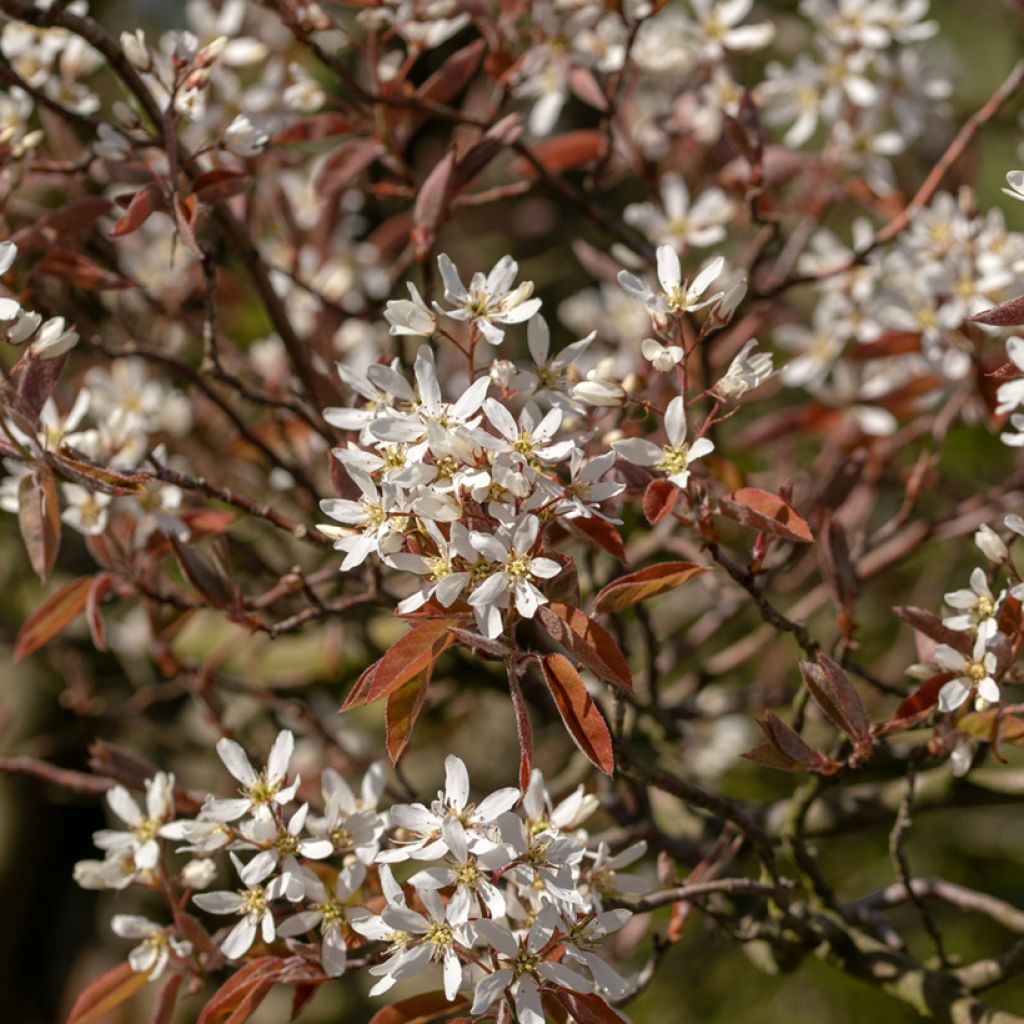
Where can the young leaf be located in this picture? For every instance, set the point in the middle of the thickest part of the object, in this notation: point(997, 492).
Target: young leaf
point(767, 513)
point(580, 714)
point(602, 533)
point(586, 1007)
point(100, 585)
point(412, 654)
point(931, 626)
point(645, 583)
point(39, 519)
point(790, 750)
point(52, 616)
point(421, 1009)
point(838, 698)
point(564, 152)
point(591, 643)
point(243, 991)
point(403, 708)
point(107, 993)
point(142, 204)
point(453, 75)
point(659, 499)
point(1006, 314)
point(524, 730)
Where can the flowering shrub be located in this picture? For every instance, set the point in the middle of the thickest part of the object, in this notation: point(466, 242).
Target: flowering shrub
point(701, 308)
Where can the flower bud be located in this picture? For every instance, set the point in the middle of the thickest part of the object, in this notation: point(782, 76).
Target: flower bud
point(199, 873)
point(991, 544)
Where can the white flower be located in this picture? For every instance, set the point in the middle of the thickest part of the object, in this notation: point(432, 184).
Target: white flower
point(466, 871)
point(488, 300)
point(1011, 393)
point(548, 379)
point(718, 28)
point(85, 511)
point(282, 844)
point(53, 339)
point(603, 878)
point(411, 316)
point(528, 441)
point(579, 944)
point(664, 358)
point(1015, 180)
point(991, 544)
point(371, 525)
point(675, 458)
point(478, 820)
point(745, 372)
point(424, 939)
point(975, 671)
point(977, 606)
point(351, 823)
point(243, 138)
point(152, 956)
point(545, 861)
point(142, 840)
point(675, 298)
point(682, 224)
point(513, 570)
point(442, 579)
point(521, 965)
point(252, 904)
point(261, 791)
point(328, 913)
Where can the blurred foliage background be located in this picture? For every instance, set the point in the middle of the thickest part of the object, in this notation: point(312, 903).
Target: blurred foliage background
point(54, 937)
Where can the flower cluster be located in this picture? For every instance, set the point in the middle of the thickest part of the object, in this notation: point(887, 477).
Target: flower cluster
point(116, 421)
point(507, 895)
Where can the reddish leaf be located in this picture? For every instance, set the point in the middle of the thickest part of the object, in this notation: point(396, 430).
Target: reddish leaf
point(52, 616)
point(37, 379)
point(645, 583)
point(1006, 314)
point(564, 152)
point(431, 205)
point(453, 75)
point(659, 500)
point(585, 86)
point(767, 513)
point(211, 583)
point(313, 129)
point(107, 993)
point(918, 704)
point(421, 1009)
point(242, 991)
point(166, 1001)
point(586, 1007)
point(580, 714)
point(403, 708)
point(346, 163)
point(602, 533)
point(524, 730)
point(838, 698)
point(412, 654)
point(142, 204)
point(931, 626)
point(793, 754)
point(96, 478)
point(39, 519)
point(219, 184)
point(100, 585)
point(78, 270)
point(591, 643)
point(487, 147)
